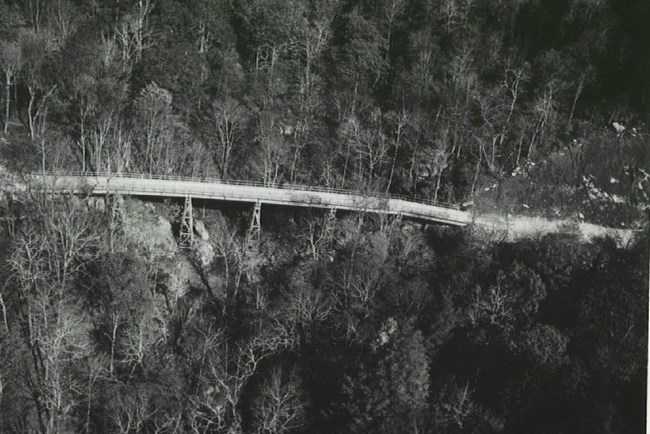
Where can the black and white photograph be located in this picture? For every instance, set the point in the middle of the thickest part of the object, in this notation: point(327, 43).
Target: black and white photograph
point(324, 216)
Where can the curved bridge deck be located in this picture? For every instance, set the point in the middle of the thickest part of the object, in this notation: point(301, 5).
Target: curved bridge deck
point(245, 191)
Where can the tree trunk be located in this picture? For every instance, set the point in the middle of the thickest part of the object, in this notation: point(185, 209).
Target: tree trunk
point(392, 169)
point(30, 115)
point(581, 87)
point(345, 166)
point(521, 141)
point(435, 194)
point(7, 102)
point(478, 171)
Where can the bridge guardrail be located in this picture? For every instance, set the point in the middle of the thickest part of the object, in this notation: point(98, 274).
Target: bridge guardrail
point(244, 183)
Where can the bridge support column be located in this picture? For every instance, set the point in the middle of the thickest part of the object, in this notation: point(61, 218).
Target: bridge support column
point(256, 223)
point(330, 221)
point(187, 224)
point(252, 250)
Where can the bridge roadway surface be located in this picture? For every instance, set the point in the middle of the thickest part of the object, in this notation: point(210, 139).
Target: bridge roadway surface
point(495, 226)
point(246, 191)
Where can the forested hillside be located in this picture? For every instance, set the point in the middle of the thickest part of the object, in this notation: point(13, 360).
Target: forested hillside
point(345, 322)
point(526, 106)
point(359, 324)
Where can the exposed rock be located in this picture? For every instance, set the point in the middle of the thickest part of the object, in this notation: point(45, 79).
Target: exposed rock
point(204, 251)
point(200, 229)
point(144, 230)
point(164, 235)
point(618, 127)
point(179, 277)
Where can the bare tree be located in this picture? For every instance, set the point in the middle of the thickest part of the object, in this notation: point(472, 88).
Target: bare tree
point(360, 279)
point(130, 408)
point(430, 160)
point(513, 79)
point(402, 122)
point(225, 367)
point(320, 233)
point(310, 44)
point(49, 251)
point(35, 11)
point(232, 249)
point(496, 304)
point(315, 37)
point(119, 149)
point(61, 21)
point(280, 407)
point(86, 104)
point(546, 110)
point(158, 131)
point(132, 34)
point(455, 13)
point(458, 405)
point(99, 139)
point(586, 77)
point(391, 9)
point(228, 119)
point(307, 307)
point(492, 107)
point(367, 146)
point(10, 62)
point(273, 149)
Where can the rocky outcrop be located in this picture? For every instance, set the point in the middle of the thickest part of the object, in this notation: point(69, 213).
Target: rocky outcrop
point(204, 252)
point(145, 230)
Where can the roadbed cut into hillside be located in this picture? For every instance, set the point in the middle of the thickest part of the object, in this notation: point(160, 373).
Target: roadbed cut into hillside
point(513, 228)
